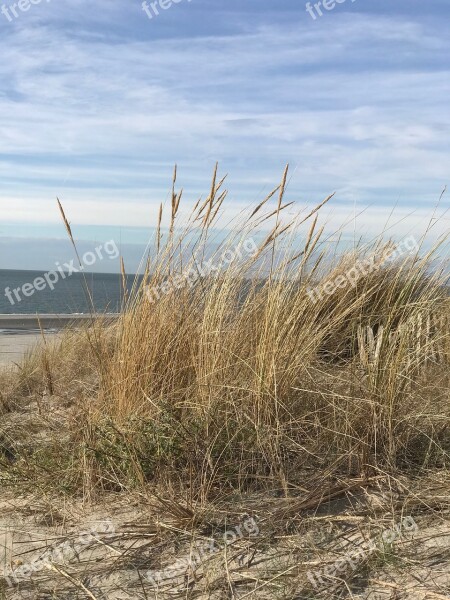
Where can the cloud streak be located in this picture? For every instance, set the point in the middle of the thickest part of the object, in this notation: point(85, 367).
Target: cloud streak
point(97, 104)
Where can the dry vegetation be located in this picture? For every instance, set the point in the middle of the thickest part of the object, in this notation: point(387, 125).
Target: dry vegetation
point(327, 421)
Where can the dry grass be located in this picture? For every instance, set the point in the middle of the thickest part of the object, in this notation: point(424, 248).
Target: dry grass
point(240, 386)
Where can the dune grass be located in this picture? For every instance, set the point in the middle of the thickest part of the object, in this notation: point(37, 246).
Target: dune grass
point(239, 380)
point(259, 370)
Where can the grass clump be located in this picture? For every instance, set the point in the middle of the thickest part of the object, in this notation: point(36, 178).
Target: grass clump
point(224, 372)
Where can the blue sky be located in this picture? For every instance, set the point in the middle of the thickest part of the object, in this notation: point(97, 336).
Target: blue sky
point(97, 103)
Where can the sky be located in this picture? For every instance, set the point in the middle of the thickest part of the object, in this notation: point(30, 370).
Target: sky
point(98, 102)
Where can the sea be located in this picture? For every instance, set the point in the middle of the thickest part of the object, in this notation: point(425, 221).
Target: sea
point(68, 295)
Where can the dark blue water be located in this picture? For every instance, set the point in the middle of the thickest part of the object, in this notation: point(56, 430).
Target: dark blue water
point(67, 296)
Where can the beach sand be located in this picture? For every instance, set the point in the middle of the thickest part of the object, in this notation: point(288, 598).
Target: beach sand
point(18, 333)
point(14, 345)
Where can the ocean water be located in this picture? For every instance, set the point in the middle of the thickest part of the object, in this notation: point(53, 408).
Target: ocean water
point(68, 295)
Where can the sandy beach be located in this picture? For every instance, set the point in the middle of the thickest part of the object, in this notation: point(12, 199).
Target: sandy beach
point(14, 345)
point(18, 333)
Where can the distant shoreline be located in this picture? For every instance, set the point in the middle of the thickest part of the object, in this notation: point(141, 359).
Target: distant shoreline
point(20, 333)
point(17, 323)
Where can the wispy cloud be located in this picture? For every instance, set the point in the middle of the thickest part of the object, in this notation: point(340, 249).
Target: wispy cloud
point(97, 103)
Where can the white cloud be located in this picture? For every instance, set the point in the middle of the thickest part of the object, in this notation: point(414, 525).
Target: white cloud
point(356, 105)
